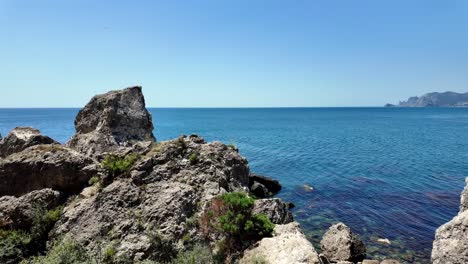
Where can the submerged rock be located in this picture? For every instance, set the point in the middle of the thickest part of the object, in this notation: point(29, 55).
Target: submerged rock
point(288, 245)
point(275, 209)
point(45, 166)
point(340, 244)
point(19, 213)
point(21, 138)
point(113, 121)
point(451, 239)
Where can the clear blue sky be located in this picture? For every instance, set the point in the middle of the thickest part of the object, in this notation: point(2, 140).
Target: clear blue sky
point(232, 53)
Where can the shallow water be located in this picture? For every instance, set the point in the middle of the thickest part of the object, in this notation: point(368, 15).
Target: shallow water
point(393, 173)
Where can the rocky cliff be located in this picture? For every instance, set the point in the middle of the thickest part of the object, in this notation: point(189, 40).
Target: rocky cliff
point(451, 239)
point(113, 194)
point(447, 99)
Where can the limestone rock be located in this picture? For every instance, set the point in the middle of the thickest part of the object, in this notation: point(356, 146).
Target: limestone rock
point(21, 138)
point(368, 261)
point(112, 121)
point(390, 261)
point(45, 166)
point(451, 239)
point(259, 190)
point(275, 209)
point(288, 245)
point(152, 211)
point(19, 213)
point(340, 244)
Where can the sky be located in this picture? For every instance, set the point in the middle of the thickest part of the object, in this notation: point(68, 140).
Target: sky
point(239, 53)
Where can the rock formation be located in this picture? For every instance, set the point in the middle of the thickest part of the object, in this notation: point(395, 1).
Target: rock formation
point(340, 244)
point(113, 121)
point(45, 166)
point(162, 198)
point(21, 138)
point(262, 186)
point(288, 245)
point(451, 239)
point(447, 99)
point(275, 209)
point(19, 213)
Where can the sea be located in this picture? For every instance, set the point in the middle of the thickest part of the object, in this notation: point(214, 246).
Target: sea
point(387, 173)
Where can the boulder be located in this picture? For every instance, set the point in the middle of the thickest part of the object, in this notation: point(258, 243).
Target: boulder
point(45, 166)
point(259, 190)
point(19, 213)
point(275, 209)
point(340, 244)
point(451, 239)
point(111, 122)
point(272, 185)
point(152, 212)
point(288, 245)
point(21, 138)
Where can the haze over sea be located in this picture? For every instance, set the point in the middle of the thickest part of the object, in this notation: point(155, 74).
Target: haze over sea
point(393, 173)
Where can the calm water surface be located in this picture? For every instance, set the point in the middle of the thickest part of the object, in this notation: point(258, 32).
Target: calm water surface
point(391, 173)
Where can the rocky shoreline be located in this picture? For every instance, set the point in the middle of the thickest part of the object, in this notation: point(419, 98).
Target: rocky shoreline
point(113, 194)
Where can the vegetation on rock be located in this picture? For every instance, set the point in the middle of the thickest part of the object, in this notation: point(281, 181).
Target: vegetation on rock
point(116, 165)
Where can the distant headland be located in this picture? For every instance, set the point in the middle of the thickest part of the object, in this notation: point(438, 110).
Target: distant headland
point(447, 99)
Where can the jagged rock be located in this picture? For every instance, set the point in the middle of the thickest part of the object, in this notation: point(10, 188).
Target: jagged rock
point(21, 138)
point(345, 262)
point(288, 245)
point(451, 239)
point(275, 209)
point(160, 201)
point(45, 166)
point(19, 213)
point(273, 186)
point(340, 244)
point(111, 122)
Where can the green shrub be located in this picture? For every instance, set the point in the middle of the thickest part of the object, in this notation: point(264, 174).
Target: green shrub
point(197, 255)
point(193, 158)
point(14, 245)
point(116, 165)
point(66, 251)
point(231, 215)
point(109, 253)
point(94, 180)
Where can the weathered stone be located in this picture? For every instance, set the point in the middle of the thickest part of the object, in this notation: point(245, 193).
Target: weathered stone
point(272, 185)
point(392, 261)
point(340, 244)
point(19, 213)
point(163, 198)
point(111, 122)
point(45, 166)
point(368, 261)
point(21, 138)
point(288, 245)
point(275, 209)
point(451, 239)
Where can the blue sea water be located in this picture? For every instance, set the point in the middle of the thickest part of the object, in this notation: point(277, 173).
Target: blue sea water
point(393, 173)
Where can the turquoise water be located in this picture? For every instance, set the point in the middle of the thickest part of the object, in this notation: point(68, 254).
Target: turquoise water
point(393, 173)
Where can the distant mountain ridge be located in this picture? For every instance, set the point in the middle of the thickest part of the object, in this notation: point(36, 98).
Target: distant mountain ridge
point(447, 99)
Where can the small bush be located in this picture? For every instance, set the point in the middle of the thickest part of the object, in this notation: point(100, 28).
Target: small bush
point(198, 255)
point(116, 165)
point(94, 180)
point(66, 251)
point(231, 215)
point(14, 245)
point(109, 253)
point(193, 158)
